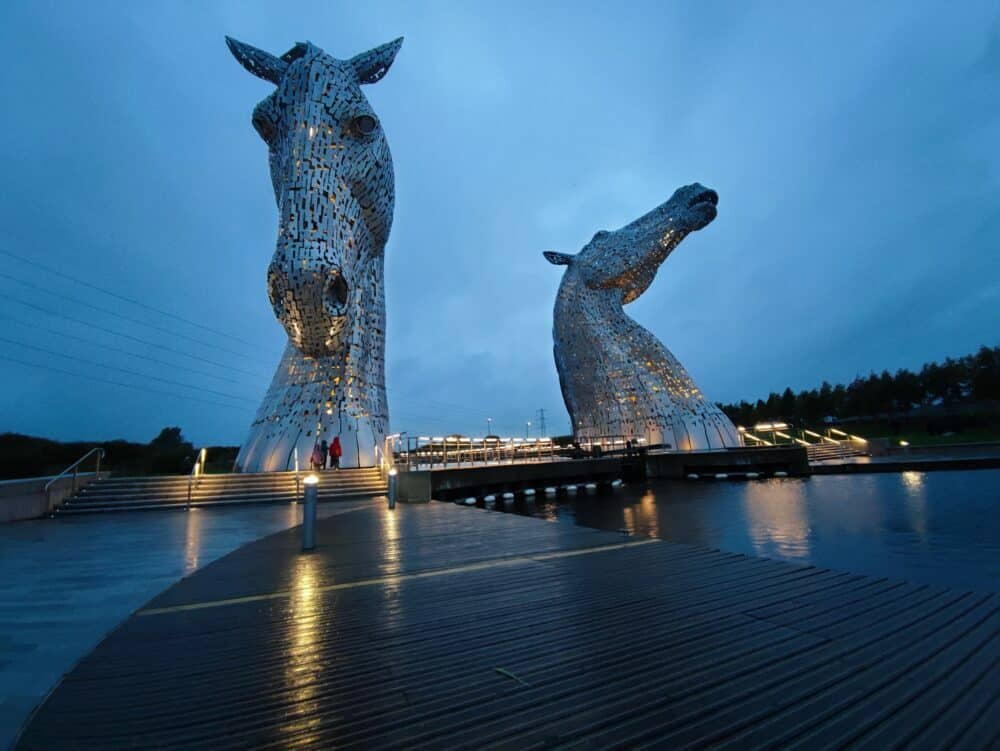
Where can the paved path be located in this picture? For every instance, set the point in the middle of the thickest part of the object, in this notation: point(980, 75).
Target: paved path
point(444, 627)
point(66, 582)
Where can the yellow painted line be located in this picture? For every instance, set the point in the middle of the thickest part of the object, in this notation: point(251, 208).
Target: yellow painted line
point(397, 578)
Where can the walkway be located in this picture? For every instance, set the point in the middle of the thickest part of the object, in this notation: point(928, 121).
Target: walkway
point(68, 581)
point(437, 626)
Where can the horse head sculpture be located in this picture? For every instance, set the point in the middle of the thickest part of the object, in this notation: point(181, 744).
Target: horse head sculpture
point(617, 379)
point(332, 175)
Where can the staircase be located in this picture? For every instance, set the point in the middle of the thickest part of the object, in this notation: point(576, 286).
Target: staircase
point(171, 492)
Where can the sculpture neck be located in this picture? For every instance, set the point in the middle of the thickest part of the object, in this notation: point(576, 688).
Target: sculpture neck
point(589, 312)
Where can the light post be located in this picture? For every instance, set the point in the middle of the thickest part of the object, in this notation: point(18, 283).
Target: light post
point(527, 428)
point(393, 474)
point(309, 513)
point(489, 426)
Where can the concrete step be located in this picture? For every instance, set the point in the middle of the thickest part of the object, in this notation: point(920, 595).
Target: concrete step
point(146, 493)
point(98, 492)
point(224, 490)
point(175, 506)
point(205, 498)
point(263, 478)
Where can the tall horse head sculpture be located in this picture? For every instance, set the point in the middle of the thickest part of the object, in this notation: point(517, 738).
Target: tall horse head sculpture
point(333, 182)
point(616, 377)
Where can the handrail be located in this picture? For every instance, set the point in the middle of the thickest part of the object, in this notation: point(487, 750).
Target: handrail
point(196, 472)
point(387, 460)
point(74, 467)
point(298, 486)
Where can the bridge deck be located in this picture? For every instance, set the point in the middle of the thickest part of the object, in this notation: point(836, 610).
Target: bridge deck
point(436, 626)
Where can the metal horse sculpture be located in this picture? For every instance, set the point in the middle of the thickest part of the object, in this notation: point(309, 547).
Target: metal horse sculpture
point(333, 182)
point(616, 378)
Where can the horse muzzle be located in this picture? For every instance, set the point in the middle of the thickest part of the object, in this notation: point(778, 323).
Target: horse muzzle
point(312, 303)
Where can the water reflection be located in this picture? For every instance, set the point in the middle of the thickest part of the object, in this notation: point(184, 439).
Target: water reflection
point(936, 528)
point(303, 661)
point(192, 540)
point(916, 502)
point(778, 518)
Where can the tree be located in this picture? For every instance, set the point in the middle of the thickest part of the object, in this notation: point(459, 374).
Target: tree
point(975, 377)
point(169, 452)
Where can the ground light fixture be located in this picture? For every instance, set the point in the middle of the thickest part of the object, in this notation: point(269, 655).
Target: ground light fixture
point(393, 473)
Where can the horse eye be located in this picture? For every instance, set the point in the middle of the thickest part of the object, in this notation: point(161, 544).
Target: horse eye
point(263, 125)
point(364, 124)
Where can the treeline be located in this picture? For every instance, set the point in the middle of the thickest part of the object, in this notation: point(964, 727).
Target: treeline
point(969, 379)
point(168, 453)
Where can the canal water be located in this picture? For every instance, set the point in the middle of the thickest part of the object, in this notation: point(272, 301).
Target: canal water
point(935, 528)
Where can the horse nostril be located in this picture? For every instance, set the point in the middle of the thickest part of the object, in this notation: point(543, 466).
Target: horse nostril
point(336, 294)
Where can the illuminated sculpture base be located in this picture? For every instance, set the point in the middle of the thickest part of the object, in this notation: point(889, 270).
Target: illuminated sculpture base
point(299, 400)
point(617, 380)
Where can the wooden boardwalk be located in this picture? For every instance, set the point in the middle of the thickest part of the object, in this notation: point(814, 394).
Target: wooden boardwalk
point(437, 626)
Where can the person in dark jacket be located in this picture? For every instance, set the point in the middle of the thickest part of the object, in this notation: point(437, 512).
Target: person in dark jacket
point(324, 450)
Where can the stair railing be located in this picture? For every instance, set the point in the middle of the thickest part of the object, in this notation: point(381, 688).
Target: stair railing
point(388, 459)
point(196, 472)
point(75, 469)
point(298, 484)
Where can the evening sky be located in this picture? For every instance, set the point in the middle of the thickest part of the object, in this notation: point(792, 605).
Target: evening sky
point(854, 146)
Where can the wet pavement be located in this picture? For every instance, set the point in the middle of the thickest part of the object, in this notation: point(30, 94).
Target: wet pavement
point(438, 626)
point(65, 583)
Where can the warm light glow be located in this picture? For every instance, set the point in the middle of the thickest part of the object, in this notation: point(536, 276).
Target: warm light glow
point(904, 443)
point(310, 480)
point(770, 426)
point(393, 472)
point(192, 546)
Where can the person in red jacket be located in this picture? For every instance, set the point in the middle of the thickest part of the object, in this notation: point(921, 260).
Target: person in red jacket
point(335, 452)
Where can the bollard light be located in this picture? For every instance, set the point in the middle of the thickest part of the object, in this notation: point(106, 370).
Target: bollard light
point(309, 512)
point(393, 473)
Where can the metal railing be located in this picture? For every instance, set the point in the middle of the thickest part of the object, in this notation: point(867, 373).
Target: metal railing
point(835, 444)
point(75, 469)
point(298, 480)
point(418, 452)
point(196, 472)
point(386, 456)
point(440, 452)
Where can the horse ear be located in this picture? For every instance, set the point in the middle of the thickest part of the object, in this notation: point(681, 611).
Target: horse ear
point(559, 259)
point(261, 64)
point(373, 64)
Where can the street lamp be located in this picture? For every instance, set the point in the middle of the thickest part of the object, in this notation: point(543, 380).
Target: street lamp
point(489, 426)
point(527, 428)
point(392, 487)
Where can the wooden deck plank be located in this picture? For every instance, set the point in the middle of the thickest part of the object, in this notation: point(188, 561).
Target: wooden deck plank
point(734, 695)
point(857, 695)
point(393, 632)
point(957, 684)
point(419, 658)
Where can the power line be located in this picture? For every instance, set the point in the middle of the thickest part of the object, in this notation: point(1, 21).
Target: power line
point(116, 314)
point(477, 411)
point(95, 343)
point(50, 270)
point(118, 383)
point(91, 325)
point(127, 371)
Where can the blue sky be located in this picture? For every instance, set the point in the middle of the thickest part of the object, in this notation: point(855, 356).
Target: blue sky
point(853, 146)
